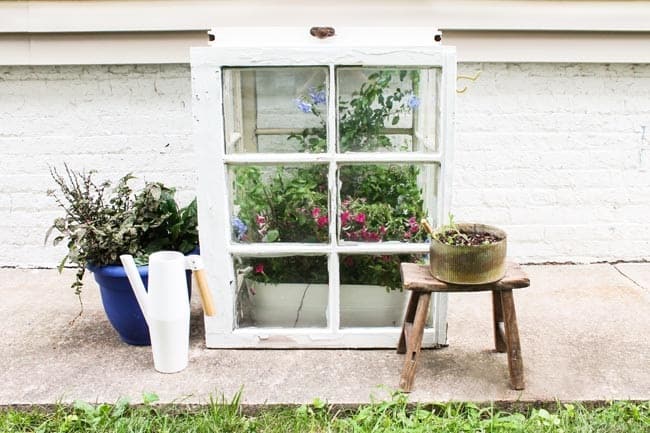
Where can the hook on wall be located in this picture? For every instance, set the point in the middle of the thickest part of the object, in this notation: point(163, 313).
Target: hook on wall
point(467, 77)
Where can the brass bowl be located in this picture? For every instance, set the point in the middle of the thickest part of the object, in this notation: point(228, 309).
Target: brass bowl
point(469, 264)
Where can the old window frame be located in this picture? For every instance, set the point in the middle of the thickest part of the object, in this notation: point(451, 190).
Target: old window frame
point(217, 246)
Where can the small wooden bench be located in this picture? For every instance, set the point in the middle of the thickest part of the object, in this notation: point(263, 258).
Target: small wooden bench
point(421, 283)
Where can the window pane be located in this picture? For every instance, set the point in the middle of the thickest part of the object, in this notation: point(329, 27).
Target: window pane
point(280, 203)
point(386, 202)
point(371, 292)
point(275, 109)
point(289, 292)
point(387, 110)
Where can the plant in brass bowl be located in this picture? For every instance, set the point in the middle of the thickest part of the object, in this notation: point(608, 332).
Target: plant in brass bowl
point(467, 253)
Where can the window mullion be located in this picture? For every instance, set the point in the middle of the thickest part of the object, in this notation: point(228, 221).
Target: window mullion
point(332, 182)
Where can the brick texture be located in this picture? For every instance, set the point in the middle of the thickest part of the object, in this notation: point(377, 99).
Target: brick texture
point(114, 119)
point(556, 154)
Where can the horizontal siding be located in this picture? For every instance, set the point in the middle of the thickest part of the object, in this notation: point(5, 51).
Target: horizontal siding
point(175, 15)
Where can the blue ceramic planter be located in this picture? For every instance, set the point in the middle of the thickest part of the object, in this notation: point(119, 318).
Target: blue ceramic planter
point(120, 304)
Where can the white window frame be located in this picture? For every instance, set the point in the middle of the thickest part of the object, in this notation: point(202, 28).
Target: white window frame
point(217, 246)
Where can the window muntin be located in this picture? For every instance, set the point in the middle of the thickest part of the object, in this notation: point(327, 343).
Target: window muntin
point(290, 204)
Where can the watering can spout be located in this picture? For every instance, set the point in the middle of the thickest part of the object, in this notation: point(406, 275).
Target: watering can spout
point(137, 284)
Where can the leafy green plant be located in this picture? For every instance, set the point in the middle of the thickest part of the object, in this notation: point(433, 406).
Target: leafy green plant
point(379, 202)
point(449, 233)
point(100, 223)
point(452, 234)
point(395, 414)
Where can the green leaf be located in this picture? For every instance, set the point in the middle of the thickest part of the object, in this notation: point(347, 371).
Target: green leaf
point(84, 407)
point(120, 407)
point(395, 120)
point(271, 236)
point(149, 397)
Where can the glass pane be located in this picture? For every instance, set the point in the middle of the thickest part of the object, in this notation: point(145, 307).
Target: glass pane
point(371, 294)
point(386, 202)
point(288, 292)
point(280, 203)
point(275, 109)
point(387, 110)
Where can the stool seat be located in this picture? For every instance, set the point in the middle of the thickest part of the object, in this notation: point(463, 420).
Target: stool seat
point(418, 279)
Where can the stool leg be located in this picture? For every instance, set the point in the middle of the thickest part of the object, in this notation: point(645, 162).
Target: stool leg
point(515, 363)
point(497, 319)
point(414, 342)
point(408, 319)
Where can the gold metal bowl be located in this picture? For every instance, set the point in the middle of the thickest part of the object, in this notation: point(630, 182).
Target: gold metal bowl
point(469, 264)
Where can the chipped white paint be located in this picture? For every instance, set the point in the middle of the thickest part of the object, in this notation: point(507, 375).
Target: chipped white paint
point(214, 194)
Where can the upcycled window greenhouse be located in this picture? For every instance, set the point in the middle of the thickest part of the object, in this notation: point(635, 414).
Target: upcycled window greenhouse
point(318, 158)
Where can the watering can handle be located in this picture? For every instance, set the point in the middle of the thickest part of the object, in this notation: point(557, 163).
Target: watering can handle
point(195, 263)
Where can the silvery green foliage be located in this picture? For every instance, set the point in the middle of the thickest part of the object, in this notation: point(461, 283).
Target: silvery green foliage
point(101, 222)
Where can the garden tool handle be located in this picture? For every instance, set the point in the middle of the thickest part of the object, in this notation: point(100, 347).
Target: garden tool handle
point(425, 224)
point(204, 290)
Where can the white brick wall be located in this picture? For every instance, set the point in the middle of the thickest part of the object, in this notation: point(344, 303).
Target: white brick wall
point(114, 119)
point(556, 154)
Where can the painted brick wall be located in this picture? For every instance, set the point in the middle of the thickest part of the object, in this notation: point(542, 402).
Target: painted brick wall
point(559, 155)
point(115, 119)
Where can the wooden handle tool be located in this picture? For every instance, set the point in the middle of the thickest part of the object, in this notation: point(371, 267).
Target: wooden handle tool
point(424, 223)
point(204, 290)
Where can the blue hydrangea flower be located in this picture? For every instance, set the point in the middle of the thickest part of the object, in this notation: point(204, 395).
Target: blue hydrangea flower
point(318, 97)
point(303, 106)
point(413, 102)
point(240, 228)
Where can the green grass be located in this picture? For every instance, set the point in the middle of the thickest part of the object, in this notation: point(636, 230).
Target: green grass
point(395, 415)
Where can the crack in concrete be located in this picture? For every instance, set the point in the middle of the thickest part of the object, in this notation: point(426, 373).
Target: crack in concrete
point(629, 278)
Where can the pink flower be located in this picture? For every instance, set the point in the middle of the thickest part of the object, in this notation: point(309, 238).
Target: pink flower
point(415, 228)
point(260, 220)
point(345, 217)
point(259, 268)
point(412, 220)
point(315, 212)
point(407, 235)
point(322, 221)
point(382, 230)
point(372, 237)
point(360, 218)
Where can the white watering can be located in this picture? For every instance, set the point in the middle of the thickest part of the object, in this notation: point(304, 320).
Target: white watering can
point(166, 307)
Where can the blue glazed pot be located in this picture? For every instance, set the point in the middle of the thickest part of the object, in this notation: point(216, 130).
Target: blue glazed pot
point(121, 305)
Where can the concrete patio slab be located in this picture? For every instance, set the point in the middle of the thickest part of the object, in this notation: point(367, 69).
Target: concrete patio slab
point(583, 332)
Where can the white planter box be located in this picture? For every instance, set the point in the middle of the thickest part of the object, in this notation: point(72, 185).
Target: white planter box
point(305, 305)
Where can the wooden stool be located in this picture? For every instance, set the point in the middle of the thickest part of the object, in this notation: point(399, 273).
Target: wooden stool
point(421, 283)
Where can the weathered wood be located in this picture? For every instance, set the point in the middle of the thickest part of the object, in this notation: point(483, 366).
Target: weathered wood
point(418, 278)
point(515, 362)
point(497, 321)
point(414, 342)
point(408, 321)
